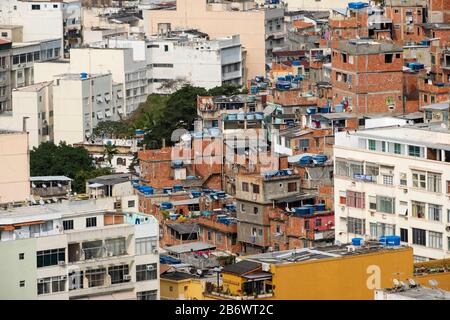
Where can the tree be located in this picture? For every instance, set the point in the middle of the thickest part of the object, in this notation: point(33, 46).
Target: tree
point(79, 183)
point(225, 90)
point(111, 129)
point(109, 152)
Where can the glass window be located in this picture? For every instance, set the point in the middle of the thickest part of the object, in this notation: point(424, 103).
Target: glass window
point(245, 186)
point(146, 245)
point(52, 257)
point(355, 199)
point(372, 169)
point(397, 148)
point(96, 277)
point(418, 209)
point(419, 236)
point(146, 272)
point(434, 182)
point(372, 145)
point(434, 212)
point(255, 188)
point(292, 186)
point(414, 151)
point(91, 222)
point(388, 180)
point(68, 224)
point(403, 235)
point(147, 295)
point(385, 204)
point(355, 168)
point(117, 273)
point(356, 226)
point(435, 240)
point(342, 168)
point(419, 179)
point(403, 179)
point(115, 247)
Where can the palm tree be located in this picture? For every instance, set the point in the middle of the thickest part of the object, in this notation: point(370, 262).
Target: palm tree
point(109, 152)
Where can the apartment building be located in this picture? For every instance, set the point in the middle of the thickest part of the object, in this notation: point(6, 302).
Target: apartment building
point(13, 33)
point(5, 76)
point(367, 76)
point(258, 28)
point(256, 194)
point(407, 16)
point(15, 173)
point(78, 250)
point(62, 20)
point(395, 181)
point(80, 102)
point(130, 73)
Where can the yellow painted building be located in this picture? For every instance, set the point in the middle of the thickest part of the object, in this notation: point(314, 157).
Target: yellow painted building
point(438, 270)
point(320, 274)
point(181, 286)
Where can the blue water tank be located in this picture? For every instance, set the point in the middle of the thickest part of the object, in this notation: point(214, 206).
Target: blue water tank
point(339, 108)
point(310, 207)
point(296, 63)
point(253, 90)
point(83, 75)
point(305, 160)
point(311, 110)
point(319, 207)
point(301, 211)
point(357, 241)
point(221, 194)
point(167, 190)
point(392, 240)
point(166, 205)
point(177, 187)
point(196, 194)
point(232, 116)
point(281, 79)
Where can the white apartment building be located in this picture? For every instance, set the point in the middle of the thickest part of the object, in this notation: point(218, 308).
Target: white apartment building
point(78, 250)
point(80, 101)
point(35, 104)
point(15, 167)
point(62, 20)
point(395, 181)
point(130, 73)
point(201, 62)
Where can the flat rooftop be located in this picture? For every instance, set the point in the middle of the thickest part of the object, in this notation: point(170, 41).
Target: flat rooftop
point(111, 179)
point(361, 47)
point(420, 293)
point(309, 254)
point(34, 87)
point(427, 135)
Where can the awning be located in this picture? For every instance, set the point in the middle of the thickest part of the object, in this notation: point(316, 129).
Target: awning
point(258, 276)
point(96, 185)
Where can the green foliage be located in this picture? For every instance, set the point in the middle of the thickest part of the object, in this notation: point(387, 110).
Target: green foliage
point(111, 129)
point(109, 152)
point(225, 90)
point(74, 162)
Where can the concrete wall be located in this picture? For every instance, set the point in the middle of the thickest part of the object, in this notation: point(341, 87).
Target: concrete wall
point(15, 170)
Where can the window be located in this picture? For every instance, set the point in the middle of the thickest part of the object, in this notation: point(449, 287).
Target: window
point(403, 179)
point(292, 186)
point(434, 212)
point(388, 58)
point(342, 197)
point(115, 247)
point(342, 168)
point(91, 222)
point(355, 168)
point(388, 180)
point(372, 169)
point(147, 295)
point(260, 232)
point(35, 7)
point(414, 151)
point(245, 186)
point(146, 245)
point(372, 203)
point(146, 272)
point(318, 222)
point(419, 179)
point(51, 285)
point(68, 224)
point(209, 234)
point(397, 148)
point(383, 146)
point(255, 188)
point(117, 273)
point(21, 256)
point(356, 226)
point(434, 182)
point(303, 144)
point(166, 48)
point(355, 199)
point(22, 283)
point(96, 277)
point(218, 238)
point(385, 204)
point(418, 209)
point(403, 235)
point(372, 145)
point(52, 257)
point(306, 224)
point(242, 207)
point(382, 229)
point(419, 236)
point(425, 98)
point(448, 187)
point(435, 240)
point(131, 203)
point(255, 210)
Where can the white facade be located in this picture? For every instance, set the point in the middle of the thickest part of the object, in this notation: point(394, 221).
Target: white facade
point(130, 73)
point(79, 250)
point(394, 180)
point(80, 103)
point(203, 63)
point(36, 103)
point(62, 20)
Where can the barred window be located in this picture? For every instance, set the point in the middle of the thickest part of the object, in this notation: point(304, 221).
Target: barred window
point(342, 168)
point(147, 295)
point(355, 199)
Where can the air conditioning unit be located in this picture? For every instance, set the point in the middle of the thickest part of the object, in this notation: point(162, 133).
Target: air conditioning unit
point(127, 277)
point(447, 228)
point(150, 268)
point(40, 280)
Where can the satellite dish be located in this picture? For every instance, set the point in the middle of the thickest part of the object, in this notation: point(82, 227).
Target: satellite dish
point(41, 202)
point(444, 125)
point(199, 272)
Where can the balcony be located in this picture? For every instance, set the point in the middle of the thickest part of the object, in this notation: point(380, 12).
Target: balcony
point(50, 191)
point(101, 289)
point(257, 285)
